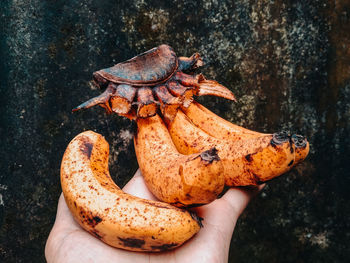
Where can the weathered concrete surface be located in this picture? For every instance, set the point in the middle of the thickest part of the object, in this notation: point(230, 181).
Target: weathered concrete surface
point(288, 63)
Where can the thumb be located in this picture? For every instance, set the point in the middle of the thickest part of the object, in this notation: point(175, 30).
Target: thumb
point(222, 214)
point(237, 198)
point(220, 218)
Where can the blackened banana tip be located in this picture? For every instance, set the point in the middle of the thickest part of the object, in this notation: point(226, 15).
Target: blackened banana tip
point(210, 155)
point(299, 141)
point(280, 137)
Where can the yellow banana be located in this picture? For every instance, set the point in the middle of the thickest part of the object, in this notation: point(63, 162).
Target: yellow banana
point(246, 162)
point(222, 129)
point(103, 209)
point(181, 180)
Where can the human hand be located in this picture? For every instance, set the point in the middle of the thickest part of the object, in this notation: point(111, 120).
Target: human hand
point(68, 242)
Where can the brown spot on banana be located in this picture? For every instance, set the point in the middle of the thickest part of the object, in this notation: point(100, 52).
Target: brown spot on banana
point(133, 242)
point(105, 211)
point(165, 247)
point(96, 234)
point(248, 157)
point(88, 218)
point(86, 146)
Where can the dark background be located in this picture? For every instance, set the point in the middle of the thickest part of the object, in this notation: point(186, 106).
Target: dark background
point(288, 62)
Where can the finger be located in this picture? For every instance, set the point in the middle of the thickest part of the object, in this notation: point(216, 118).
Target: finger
point(237, 198)
point(64, 223)
point(137, 187)
point(221, 216)
point(64, 218)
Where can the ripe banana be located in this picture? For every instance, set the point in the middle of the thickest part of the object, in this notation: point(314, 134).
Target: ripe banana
point(222, 129)
point(216, 126)
point(246, 162)
point(103, 209)
point(181, 180)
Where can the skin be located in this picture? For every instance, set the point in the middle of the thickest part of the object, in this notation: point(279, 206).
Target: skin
point(68, 242)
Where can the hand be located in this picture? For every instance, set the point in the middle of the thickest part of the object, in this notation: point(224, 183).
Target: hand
point(68, 242)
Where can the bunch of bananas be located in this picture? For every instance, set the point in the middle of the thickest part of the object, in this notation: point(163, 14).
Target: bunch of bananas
point(186, 161)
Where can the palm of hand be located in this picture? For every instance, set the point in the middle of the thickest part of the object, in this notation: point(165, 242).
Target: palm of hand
point(68, 242)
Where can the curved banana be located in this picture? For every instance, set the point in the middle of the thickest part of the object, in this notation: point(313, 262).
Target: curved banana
point(103, 209)
point(216, 126)
point(181, 180)
point(222, 129)
point(246, 162)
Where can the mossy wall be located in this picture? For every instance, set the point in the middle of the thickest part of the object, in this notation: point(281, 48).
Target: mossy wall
point(288, 63)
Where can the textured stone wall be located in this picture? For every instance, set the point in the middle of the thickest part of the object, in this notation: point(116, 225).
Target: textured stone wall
point(288, 62)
